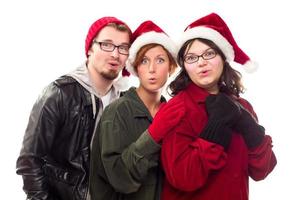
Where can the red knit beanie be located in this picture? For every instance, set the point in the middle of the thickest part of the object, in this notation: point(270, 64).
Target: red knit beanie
point(96, 27)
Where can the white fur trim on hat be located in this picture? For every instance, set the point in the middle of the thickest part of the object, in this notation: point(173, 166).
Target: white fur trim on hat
point(210, 34)
point(148, 38)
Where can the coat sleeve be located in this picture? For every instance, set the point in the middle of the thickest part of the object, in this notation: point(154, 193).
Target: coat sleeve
point(261, 160)
point(188, 161)
point(42, 125)
point(126, 163)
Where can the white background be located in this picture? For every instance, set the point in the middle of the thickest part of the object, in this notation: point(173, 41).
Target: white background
point(41, 40)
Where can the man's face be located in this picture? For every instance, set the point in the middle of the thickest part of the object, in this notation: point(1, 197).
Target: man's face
point(108, 63)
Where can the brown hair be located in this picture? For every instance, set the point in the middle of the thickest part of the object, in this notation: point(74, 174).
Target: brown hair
point(229, 82)
point(120, 27)
point(142, 51)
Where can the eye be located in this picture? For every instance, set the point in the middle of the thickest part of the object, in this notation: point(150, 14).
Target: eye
point(124, 47)
point(107, 45)
point(160, 60)
point(144, 61)
point(190, 58)
point(209, 54)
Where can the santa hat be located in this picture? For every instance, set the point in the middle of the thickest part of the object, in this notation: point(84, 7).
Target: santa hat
point(148, 33)
point(93, 31)
point(212, 27)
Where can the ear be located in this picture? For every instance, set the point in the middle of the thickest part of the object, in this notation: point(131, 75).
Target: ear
point(136, 71)
point(137, 74)
point(90, 52)
point(172, 69)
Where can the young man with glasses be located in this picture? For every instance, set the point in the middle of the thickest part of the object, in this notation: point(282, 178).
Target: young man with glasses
point(54, 159)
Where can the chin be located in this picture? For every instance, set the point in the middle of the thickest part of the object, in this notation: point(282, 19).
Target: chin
point(155, 90)
point(110, 75)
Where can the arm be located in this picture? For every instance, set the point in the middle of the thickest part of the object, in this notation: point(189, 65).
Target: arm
point(262, 159)
point(188, 160)
point(126, 160)
point(42, 125)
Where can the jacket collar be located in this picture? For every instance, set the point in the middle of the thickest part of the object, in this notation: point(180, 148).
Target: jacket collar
point(140, 109)
point(81, 75)
point(196, 93)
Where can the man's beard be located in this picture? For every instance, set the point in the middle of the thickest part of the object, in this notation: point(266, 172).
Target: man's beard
point(111, 75)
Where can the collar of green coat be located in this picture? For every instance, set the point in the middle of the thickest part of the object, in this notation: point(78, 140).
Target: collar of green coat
point(140, 109)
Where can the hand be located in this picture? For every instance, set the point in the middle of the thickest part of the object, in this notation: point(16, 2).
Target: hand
point(217, 133)
point(166, 119)
point(251, 131)
point(222, 109)
point(222, 114)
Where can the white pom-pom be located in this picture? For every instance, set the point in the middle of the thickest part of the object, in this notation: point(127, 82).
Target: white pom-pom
point(122, 83)
point(250, 66)
point(129, 66)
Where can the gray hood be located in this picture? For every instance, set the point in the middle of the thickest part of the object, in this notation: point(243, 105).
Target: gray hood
point(81, 75)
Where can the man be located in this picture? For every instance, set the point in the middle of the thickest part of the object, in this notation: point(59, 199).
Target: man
point(54, 159)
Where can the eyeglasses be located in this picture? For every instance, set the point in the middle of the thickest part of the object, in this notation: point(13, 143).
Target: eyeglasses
point(207, 55)
point(109, 47)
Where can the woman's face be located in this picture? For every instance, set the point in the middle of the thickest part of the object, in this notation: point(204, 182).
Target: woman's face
point(153, 71)
point(206, 71)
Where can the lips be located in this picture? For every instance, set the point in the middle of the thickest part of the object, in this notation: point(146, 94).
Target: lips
point(152, 79)
point(113, 65)
point(203, 73)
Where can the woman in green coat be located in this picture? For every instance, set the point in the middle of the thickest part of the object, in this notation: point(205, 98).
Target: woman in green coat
point(125, 158)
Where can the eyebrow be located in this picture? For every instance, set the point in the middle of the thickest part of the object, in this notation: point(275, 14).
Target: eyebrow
point(162, 54)
point(159, 55)
point(111, 41)
point(199, 54)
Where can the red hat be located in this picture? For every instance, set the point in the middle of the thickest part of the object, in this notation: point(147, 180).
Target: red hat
point(148, 33)
point(96, 27)
point(212, 27)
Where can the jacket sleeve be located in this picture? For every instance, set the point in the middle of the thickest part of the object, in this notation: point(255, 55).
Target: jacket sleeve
point(42, 125)
point(262, 159)
point(126, 163)
point(188, 161)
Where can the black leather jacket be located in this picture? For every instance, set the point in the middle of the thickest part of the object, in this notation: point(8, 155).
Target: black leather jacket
point(54, 159)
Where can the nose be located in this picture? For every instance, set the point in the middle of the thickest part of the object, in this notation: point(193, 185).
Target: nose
point(152, 67)
point(201, 61)
point(115, 53)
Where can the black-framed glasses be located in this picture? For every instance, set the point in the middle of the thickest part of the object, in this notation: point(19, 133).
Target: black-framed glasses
point(191, 58)
point(109, 47)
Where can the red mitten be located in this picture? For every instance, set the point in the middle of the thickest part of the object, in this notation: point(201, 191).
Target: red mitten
point(166, 119)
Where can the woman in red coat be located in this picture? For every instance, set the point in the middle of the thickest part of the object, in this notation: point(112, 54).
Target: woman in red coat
point(217, 144)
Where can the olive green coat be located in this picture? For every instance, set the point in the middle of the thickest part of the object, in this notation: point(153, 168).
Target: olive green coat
point(125, 159)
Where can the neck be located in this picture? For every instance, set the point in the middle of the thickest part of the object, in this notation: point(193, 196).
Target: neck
point(213, 90)
point(150, 99)
point(100, 84)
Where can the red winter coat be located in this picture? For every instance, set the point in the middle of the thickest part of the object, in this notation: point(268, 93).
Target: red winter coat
point(198, 169)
